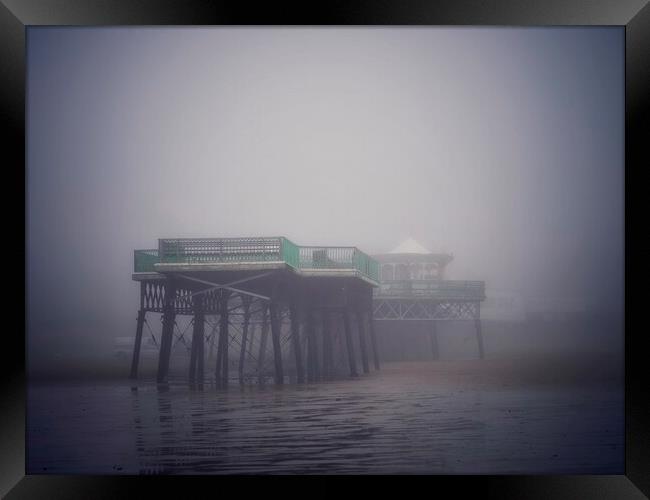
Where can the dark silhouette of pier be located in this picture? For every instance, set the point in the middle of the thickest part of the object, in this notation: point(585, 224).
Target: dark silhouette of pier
point(313, 301)
point(277, 310)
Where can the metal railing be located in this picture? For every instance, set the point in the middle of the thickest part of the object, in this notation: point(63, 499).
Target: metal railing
point(275, 249)
point(219, 250)
point(437, 289)
point(338, 258)
point(144, 260)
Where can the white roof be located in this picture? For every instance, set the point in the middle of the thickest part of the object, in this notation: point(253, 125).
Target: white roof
point(410, 246)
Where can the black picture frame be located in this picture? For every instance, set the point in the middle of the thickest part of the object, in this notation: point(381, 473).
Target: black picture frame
point(634, 15)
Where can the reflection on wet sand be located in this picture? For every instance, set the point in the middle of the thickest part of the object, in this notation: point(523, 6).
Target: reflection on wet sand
point(447, 417)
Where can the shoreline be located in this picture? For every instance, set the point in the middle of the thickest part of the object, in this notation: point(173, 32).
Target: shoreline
point(502, 371)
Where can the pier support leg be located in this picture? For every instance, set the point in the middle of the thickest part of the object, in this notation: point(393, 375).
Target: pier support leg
point(479, 338)
point(169, 317)
point(244, 338)
point(217, 367)
point(200, 356)
point(341, 348)
point(373, 339)
point(197, 342)
point(433, 335)
point(349, 343)
point(327, 345)
point(310, 334)
point(192, 371)
point(137, 344)
point(361, 327)
point(213, 334)
point(277, 348)
point(295, 340)
point(251, 341)
point(264, 334)
point(224, 340)
point(314, 343)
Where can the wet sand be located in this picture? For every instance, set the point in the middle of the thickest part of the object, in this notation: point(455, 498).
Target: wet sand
point(500, 416)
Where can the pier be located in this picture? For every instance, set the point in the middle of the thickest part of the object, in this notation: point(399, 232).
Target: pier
point(273, 309)
point(413, 288)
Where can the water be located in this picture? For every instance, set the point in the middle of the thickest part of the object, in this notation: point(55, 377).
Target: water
point(408, 418)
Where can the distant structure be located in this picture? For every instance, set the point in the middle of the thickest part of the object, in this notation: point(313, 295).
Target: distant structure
point(413, 287)
point(411, 261)
point(244, 289)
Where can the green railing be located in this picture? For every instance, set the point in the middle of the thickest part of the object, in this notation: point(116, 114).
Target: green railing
point(338, 258)
point(144, 260)
point(276, 249)
point(290, 252)
point(436, 289)
point(220, 250)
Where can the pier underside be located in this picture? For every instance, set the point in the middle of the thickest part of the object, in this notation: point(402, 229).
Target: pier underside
point(432, 301)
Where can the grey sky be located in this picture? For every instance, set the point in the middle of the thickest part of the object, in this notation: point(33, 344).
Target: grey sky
point(503, 146)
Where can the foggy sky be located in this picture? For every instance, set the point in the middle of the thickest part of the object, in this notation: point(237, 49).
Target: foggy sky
point(502, 146)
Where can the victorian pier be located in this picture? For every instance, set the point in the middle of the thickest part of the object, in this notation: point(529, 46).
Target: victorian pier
point(267, 309)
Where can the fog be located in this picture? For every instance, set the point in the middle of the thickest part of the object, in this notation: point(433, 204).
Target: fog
point(504, 147)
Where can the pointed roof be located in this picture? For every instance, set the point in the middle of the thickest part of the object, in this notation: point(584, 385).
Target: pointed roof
point(410, 246)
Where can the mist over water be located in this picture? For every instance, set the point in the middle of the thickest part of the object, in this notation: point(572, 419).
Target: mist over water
point(503, 147)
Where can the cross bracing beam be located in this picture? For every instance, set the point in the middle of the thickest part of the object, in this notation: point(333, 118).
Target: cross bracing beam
point(409, 309)
point(226, 287)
